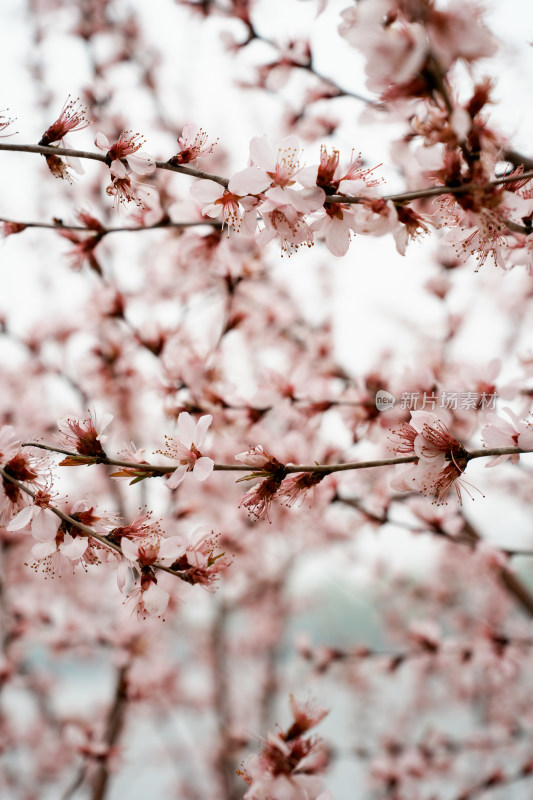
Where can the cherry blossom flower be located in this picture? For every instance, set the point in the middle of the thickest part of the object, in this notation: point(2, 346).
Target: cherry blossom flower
point(259, 498)
point(127, 147)
point(199, 563)
point(279, 166)
point(458, 32)
point(83, 250)
point(55, 543)
point(141, 527)
point(19, 466)
point(122, 188)
point(258, 458)
point(335, 227)
point(237, 209)
point(413, 227)
point(500, 433)
point(441, 458)
point(37, 519)
point(146, 550)
point(395, 48)
point(295, 487)
point(60, 167)
point(72, 118)
point(140, 556)
point(85, 437)
point(283, 213)
point(193, 144)
point(185, 448)
point(10, 228)
point(288, 764)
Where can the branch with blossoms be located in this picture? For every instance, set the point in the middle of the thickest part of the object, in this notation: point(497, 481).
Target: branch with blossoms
point(425, 640)
point(398, 197)
point(80, 537)
point(265, 191)
point(436, 460)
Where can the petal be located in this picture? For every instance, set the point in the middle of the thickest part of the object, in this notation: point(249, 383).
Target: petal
point(102, 142)
point(203, 468)
point(129, 548)
point(44, 525)
point(177, 477)
point(74, 547)
point(118, 170)
point(249, 181)
point(188, 133)
point(155, 600)
point(187, 428)
point(106, 419)
point(170, 548)
point(22, 520)
point(206, 191)
point(338, 238)
point(262, 153)
point(43, 549)
point(141, 163)
point(123, 573)
point(201, 430)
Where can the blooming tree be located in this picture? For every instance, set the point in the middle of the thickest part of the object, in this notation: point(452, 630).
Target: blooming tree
point(247, 551)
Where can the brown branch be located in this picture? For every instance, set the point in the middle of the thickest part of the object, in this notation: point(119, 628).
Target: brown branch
point(164, 223)
point(115, 725)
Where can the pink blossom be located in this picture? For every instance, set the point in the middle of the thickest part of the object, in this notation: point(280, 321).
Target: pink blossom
point(66, 540)
point(199, 563)
point(395, 48)
point(258, 458)
point(185, 448)
point(21, 467)
point(335, 226)
point(441, 458)
point(122, 188)
point(85, 436)
point(38, 519)
point(146, 550)
point(236, 210)
point(278, 166)
point(193, 144)
point(500, 433)
point(72, 118)
point(61, 167)
point(288, 765)
point(458, 32)
point(283, 213)
point(127, 147)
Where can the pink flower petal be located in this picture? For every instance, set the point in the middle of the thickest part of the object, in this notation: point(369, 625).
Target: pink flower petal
point(249, 181)
point(177, 476)
point(22, 520)
point(44, 525)
point(187, 429)
point(203, 468)
point(155, 600)
point(201, 430)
